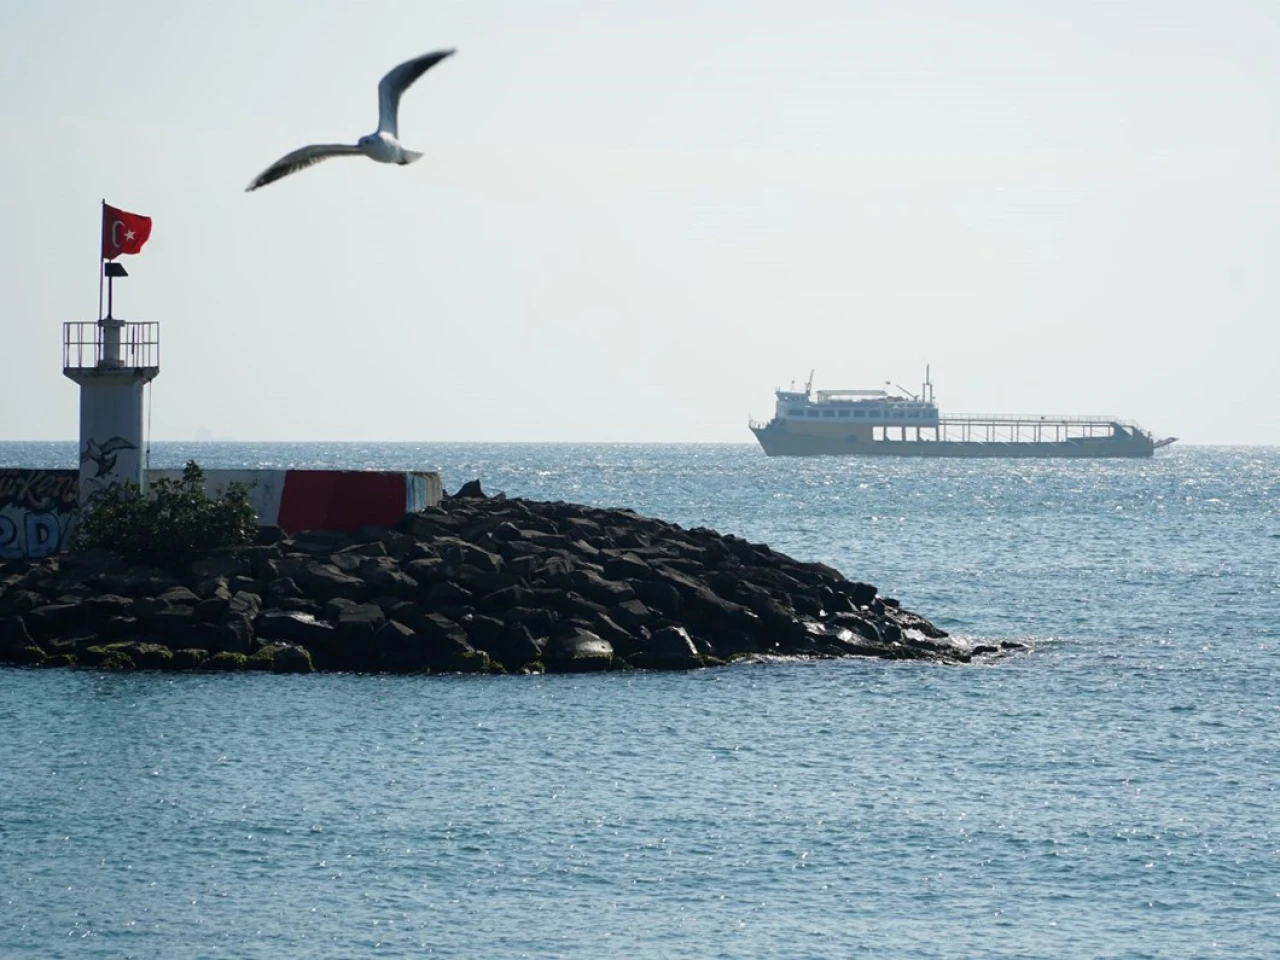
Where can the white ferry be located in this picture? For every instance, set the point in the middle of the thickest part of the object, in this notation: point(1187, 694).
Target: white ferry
point(878, 423)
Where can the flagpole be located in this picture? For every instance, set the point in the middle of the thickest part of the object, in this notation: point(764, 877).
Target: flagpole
point(100, 269)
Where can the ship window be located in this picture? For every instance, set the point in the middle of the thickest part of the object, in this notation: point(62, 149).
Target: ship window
point(859, 413)
point(828, 413)
point(844, 413)
point(813, 413)
point(897, 414)
point(796, 412)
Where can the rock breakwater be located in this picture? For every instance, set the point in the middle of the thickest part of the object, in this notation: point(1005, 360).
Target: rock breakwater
point(479, 584)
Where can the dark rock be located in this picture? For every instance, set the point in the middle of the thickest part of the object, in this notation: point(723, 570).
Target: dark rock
point(507, 598)
point(53, 619)
point(174, 625)
point(669, 648)
point(387, 579)
point(138, 582)
point(578, 651)
point(517, 647)
point(116, 628)
point(595, 587)
point(910, 621)
point(108, 657)
point(554, 569)
point(806, 604)
point(19, 601)
point(324, 581)
point(105, 606)
point(188, 658)
point(623, 641)
point(263, 561)
point(225, 565)
point(178, 596)
point(373, 548)
point(484, 632)
point(246, 585)
point(358, 623)
point(349, 563)
point(319, 543)
point(269, 534)
point(224, 661)
point(245, 602)
point(234, 633)
point(483, 584)
point(446, 649)
point(399, 648)
point(539, 620)
point(145, 656)
point(469, 490)
point(213, 608)
point(860, 594)
point(31, 656)
point(632, 615)
point(286, 658)
point(426, 569)
point(572, 605)
point(296, 605)
point(292, 627)
point(627, 566)
point(13, 634)
point(448, 594)
point(859, 625)
point(455, 551)
point(475, 580)
point(658, 595)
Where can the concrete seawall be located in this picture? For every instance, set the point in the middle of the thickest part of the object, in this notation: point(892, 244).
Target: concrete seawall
point(39, 508)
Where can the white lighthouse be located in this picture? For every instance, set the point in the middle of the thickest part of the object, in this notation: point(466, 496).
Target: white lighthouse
point(112, 361)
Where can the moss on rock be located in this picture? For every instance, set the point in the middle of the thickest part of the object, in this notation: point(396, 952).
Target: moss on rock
point(224, 661)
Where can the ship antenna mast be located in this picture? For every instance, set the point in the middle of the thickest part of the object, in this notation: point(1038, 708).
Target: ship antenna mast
point(808, 384)
point(927, 389)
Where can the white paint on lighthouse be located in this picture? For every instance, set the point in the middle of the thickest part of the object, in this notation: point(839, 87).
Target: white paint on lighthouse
point(112, 361)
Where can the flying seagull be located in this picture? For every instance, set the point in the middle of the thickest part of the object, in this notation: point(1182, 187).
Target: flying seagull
point(382, 145)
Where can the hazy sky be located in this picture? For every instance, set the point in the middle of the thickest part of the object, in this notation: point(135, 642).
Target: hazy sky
point(635, 220)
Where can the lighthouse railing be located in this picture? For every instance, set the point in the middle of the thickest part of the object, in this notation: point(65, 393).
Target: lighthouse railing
point(126, 346)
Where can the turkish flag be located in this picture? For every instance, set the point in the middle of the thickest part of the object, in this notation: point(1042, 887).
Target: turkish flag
point(123, 232)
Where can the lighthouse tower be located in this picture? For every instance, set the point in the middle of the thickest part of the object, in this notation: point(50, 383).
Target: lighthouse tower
point(112, 360)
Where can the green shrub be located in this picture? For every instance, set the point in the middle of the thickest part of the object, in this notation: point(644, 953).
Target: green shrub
point(175, 523)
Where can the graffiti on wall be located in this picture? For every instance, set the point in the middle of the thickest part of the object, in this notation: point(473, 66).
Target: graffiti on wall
point(38, 511)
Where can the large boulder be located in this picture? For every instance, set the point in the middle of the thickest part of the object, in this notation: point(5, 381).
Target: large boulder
point(292, 627)
point(325, 581)
point(285, 658)
point(670, 648)
point(578, 650)
point(14, 634)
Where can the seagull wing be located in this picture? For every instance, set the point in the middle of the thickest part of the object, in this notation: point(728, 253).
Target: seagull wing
point(397, 82)
point(300, 160)
point(115, 444)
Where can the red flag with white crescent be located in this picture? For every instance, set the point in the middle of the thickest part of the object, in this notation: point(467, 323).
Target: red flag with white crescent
point(123, 232)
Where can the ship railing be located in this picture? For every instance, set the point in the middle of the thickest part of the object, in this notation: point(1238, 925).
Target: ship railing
point(1027, 418)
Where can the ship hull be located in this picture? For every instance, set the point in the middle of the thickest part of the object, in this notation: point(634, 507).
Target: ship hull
point(778, 441)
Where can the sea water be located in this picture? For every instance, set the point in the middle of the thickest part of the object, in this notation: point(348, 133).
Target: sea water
point(1113, 791)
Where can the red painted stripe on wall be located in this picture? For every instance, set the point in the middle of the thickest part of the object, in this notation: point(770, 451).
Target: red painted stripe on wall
point(341, 500)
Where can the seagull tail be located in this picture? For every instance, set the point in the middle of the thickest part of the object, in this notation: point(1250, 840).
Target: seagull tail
point(409, 156)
